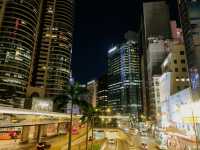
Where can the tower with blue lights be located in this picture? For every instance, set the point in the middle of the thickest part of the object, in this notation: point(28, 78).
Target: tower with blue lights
point(124, 78)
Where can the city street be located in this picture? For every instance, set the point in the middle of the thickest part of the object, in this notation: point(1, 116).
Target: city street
point(129, 142)
point(57, 143)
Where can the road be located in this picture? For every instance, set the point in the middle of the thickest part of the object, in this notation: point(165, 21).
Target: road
point(58, 143)
point(123, 141)
point(129, 142)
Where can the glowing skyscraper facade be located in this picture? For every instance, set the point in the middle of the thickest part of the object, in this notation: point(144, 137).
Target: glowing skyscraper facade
point(124, 79)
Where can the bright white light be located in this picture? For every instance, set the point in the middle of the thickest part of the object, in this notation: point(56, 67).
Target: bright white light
point(112, 49)
point(8, 110)
point(126, 129)
point(182, 79)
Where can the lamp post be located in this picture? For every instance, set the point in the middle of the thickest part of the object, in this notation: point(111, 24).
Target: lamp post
point(71, 82)
point(194, 126)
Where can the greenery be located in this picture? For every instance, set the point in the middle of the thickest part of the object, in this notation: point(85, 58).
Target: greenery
point(96, 147)
point(75, 93)
point(89, 115)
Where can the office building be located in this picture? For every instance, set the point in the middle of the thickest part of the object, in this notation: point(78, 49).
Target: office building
point(124, 78)
point(189, 11)
point(155, 95)
point(52, 68)
point(19, 26)
point(92, 88)
point(156, 19)
point(156, 53)
point(176, 63)
point(102, 93)
point(35, 48)
point(154, 24)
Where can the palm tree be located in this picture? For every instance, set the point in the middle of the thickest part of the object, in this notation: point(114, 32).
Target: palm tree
point(88, 116)
point(72, 92)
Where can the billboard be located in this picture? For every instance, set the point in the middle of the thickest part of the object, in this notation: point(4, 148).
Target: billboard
point(194, 78)
point(176, 102)
point(42, 104)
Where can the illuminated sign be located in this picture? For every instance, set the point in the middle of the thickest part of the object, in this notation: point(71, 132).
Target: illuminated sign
point(41, 104)
point(112, 49)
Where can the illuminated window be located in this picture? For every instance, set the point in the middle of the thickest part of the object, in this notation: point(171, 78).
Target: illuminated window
point(50, 10)
point(177, 79)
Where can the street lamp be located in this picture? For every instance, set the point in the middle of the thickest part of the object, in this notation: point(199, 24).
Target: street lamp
point(108, 110)
point(194, 125)
point(71, 82)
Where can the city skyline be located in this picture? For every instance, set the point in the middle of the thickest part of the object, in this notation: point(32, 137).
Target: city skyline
point(99, 75)
point(112, 24)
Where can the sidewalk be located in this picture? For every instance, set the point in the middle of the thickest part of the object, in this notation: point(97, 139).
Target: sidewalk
point(14, 145)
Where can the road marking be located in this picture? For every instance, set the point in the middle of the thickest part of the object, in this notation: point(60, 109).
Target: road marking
point(132, 148)
point(104, 145)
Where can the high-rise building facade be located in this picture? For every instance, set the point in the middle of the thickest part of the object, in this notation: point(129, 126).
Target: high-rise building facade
point(154, 24)
point(102, 93)
point(124, 78)
point(35, 47)
point(176, 63)
point(92, 88)
point(52, 67)
point(155, 95)
point(19, 26)
point(156, 19)
point(189, 11)
point(156, 53)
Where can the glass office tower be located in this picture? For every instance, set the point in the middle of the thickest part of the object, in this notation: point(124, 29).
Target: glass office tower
point(35, 48)
point(124, 79)
point(53, 61)
point(19, 23)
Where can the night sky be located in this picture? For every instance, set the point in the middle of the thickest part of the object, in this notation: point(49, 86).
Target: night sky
point(98, 25)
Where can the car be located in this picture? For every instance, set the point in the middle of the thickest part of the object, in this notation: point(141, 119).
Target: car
point(162, 147)
point(111, 141)
point(143, 134)
point(90, 138)
point(43, 146)
point(144, 146)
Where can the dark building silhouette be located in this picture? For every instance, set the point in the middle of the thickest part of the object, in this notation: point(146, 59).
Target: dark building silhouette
point(102, 92)
point(189, 11)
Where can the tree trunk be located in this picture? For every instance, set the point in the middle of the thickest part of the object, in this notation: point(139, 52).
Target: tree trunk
point(92, 133)
point(87, 129)
point(70, 128)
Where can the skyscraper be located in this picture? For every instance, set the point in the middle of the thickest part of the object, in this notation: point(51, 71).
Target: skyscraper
point(19, 25)
point(35, 46)
point(102, 92)
point(52, 67)
point(155, 24)
point(189, 11)
point(92, 89)
point(124, 79)
point(156, 19)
